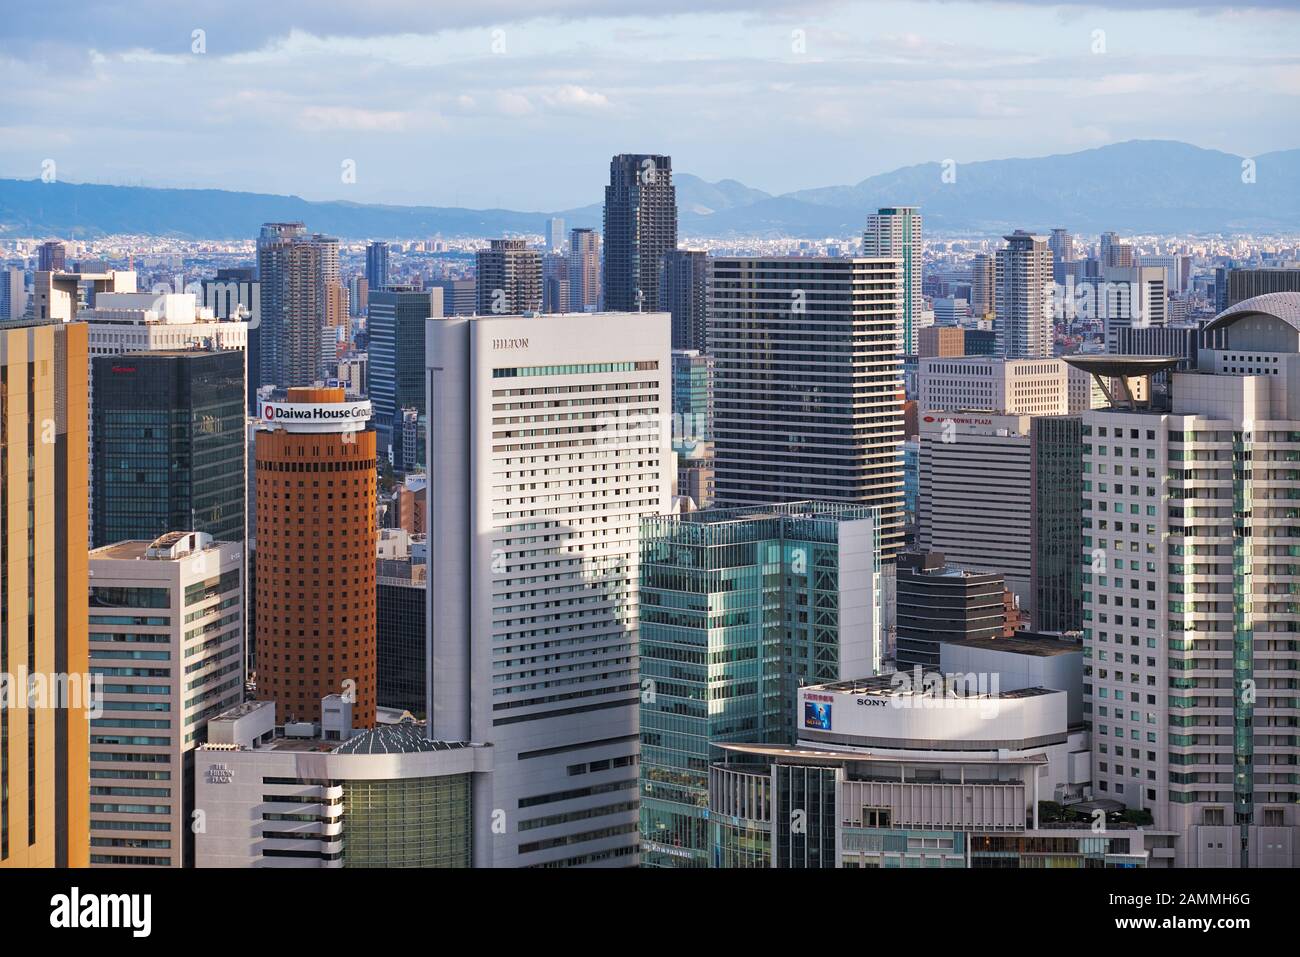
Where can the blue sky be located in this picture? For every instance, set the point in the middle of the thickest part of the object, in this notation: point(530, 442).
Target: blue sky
point(487, 104)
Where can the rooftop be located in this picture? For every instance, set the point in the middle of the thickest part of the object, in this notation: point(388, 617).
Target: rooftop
point(1035, 647)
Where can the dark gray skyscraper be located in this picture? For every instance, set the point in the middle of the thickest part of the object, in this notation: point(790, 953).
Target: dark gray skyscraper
point(640, 229)
point(685, 295)
point(377, 265)
point(51, 257)
point(509, 279)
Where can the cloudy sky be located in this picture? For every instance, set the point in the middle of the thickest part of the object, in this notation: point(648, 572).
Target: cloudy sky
point(483, 103)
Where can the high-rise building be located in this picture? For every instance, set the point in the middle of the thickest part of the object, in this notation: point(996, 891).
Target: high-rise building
point(1187, 574)
point(937, 341)
point(169, 450)
point(1056, 538)
point(799, 584)
point(292, 273)
point(584, 270)
point(693, 425)
point(685, 296)
point(937, 603)
point(1004, 386)
point(555, 283)
point(640, 230)
point(13, 294)
point(1113, 254)
point(459, 296)
point(396, 351)
point(555, 235)
point(1120, 298)
point(1061, 243)
point(895, 233)
point(974, 505)
point(1242, 284)
point(51, 256)
point(316, 540)
point(533, 566)
point(44, 772)
point(62, 295)
point(983, 286)
point(402, 602)
point(163, 684)
point(808, 393)
point(1024, 305)
point(509, 276)
point(236, 295)
point(376, 265)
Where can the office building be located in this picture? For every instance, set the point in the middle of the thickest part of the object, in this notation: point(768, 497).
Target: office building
point(62, 295)
point(51, 256)
point(1061, 243)
point(459, 296)
point(1242, 284)
point(950, 311)
point(533, 566)
point(555, 235)
point(316, 535)
point(888, 775)
point(322, 795)
point(167, 639)
point(980, 342)
point(983, 286)
point(509, 279)
point(168, 452)
point(974, 505)
point(693, 425)
point(1113, 254)
point(555, 283)
point(293, 271)
point(1132, 298)
point(236, 295)
point(396, 352)
point(584, 270)
point(799, 583)
point(807, 389)
point(1004, 386)
point(1024, 297)
point(1056, 539)
point(938, 602)
point(44, 771)
point(1189, 623)
point(401, 603)
point(685, 296)
point(376, 266)
point(895, 233)
point(640, 230)
point(13, 294)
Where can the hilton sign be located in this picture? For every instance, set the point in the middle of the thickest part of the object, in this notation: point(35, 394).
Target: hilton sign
point(509, 343)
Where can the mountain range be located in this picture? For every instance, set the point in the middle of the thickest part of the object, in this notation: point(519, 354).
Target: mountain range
point(1144, 186)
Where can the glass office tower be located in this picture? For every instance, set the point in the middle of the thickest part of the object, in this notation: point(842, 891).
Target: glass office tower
point(739, 607)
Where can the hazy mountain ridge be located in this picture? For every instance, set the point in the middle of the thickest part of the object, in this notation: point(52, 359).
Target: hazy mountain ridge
point(1140, 185)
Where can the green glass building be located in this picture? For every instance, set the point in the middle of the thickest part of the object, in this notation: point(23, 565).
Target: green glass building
point(169, 445)
point(739, 607)
point(1056, 539)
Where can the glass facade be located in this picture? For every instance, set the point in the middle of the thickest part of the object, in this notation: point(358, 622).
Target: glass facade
point(400, 612)
point(414, 822)
point(1056, 444)
point(739, 607)
point(169, 445)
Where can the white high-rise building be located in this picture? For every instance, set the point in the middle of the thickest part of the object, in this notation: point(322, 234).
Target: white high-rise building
point(1189, 572)
point(13, 294)
point(167, 641)
point(550, 442)
point(895, 233)
point(1023, 303)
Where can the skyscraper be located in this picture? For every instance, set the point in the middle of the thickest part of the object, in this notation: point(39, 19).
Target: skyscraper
point(685, 296)
point(51, 256)
point(1056, 539)
point(292, 275)
point(555, 235)
point(1061, 243)
point(983, 286)
point(808, 396)
point(640, 229)
point(13, 294)
point(1024, 305)
point(551, 449)
point(895, 233)
point(315, 569)
point(169, 448)
point(1188, 570)
point(799, 584)
point(555, 283)
point(190, 590)
point(584, 270)
point(396, 372)
point(44, 752)
point(376, 265)
point(509, 278)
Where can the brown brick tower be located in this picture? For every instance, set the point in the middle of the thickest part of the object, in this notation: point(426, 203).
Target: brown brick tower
point(316, 544)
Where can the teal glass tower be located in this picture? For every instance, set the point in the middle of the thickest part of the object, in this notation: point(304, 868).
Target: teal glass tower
point(739, 607)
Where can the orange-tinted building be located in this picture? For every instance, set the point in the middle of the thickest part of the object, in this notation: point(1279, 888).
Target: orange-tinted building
point(315, 543)
point(44, 737)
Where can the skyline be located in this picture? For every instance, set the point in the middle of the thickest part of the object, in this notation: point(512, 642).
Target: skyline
point(271, 106)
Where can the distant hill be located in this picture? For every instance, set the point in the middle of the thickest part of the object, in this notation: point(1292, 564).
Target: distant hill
point(1137, 186)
